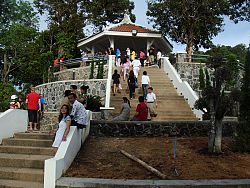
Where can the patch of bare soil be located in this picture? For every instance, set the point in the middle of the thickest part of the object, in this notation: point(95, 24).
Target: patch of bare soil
point(101, 158)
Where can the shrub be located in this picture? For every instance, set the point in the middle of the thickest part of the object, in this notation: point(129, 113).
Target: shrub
point(7, 90)
point(94, 103)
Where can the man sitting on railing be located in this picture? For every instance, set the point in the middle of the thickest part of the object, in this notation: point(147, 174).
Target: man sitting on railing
point(78, 113)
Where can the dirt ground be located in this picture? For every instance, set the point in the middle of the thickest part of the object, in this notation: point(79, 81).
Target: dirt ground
point(101, 158)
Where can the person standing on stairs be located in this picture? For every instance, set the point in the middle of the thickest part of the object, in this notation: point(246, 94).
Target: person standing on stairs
point(145, 81)
point(131, 84)
point(125, 111)
point(32, 101)
point(116, 81)
point(151, 55)
point(151, 103)
point(63, 127)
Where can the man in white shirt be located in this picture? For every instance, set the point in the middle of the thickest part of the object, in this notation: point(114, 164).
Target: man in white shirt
point(158, 57)
point(151, 103)
point(136, 66)
point(78, 113)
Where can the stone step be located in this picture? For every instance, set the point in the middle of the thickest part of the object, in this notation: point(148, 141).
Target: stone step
point(19, 184)
point(27, 142)
point(27, 150)
point(40, 136)
point(22, 160)
point(24, 174)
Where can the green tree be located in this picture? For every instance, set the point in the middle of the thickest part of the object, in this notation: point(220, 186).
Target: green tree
point(193, 22)
point(202, 79)
point(101, 12)
point(242, 139)
point(65, 22)
point(16, 40)
point(7, 90)
point(215, 102)
point(18, 29)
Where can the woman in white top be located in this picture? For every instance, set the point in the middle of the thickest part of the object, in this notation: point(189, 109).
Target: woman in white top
point(145, 81)
point(63, 127)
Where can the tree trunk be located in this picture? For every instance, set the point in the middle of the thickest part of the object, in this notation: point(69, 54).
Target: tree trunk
point(215, 134)
point(211, 135)
point(218, 136)
point(5, 69)
point(189, 50)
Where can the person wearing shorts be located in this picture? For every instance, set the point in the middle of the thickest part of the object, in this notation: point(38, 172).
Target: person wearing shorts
point(32, 101)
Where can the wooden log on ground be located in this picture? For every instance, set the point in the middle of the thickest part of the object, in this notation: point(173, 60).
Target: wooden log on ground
point(145, 165)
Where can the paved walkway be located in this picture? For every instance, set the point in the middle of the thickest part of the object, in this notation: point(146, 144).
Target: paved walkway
point(104, 183)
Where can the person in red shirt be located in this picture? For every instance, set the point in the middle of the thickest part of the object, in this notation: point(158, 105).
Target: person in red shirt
point(32, 101)
point(141, 111)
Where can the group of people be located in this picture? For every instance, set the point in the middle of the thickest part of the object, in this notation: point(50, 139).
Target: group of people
point(130, 70)
point(34, 103)
point(72, 113)
point(151, 58)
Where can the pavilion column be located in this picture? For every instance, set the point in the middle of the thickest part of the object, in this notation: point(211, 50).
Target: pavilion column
point(149, 43)
point(93, 50)
point(112, 42)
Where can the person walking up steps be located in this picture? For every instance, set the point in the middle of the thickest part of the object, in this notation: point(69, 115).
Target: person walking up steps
point(131, 84)
point(116, 81)
point(145, 81)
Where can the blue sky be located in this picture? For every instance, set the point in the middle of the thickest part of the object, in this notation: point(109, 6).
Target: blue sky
point(232, 35)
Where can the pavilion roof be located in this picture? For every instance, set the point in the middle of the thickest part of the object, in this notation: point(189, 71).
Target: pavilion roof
point(128, 27)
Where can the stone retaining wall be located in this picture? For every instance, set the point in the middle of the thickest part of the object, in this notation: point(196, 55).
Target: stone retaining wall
point(155, 128)
point(50, 120)
point(81, 73)
point(54, 92)
point(190, 72)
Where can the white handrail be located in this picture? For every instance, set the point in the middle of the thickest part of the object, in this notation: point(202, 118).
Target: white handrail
point(182, 87)
point(109, 80)
point(12, 121)
point(67, 151)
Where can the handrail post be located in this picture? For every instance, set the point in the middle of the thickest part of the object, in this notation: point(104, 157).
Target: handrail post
point(108, 88)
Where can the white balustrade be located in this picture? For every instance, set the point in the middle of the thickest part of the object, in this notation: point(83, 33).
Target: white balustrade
point(182, 87)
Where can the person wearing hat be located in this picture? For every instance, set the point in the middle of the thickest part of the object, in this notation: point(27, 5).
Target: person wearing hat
point(14, 104)
point(83, 95)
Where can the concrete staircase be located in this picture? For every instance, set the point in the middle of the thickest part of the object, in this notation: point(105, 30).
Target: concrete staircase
point(171, 106)
point(22, 160)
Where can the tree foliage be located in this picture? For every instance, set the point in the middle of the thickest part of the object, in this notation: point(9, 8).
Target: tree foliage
point(193, 22)
point(7, 90)
point(214, 102)
point(101, 12)
point(17, 33)
point(242, 139)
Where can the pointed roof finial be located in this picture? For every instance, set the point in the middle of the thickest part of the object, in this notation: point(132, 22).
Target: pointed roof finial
point(126, 18)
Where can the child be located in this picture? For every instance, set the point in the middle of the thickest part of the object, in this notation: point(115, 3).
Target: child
point(14, 104)
point(116, 81)
point(151, 103)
